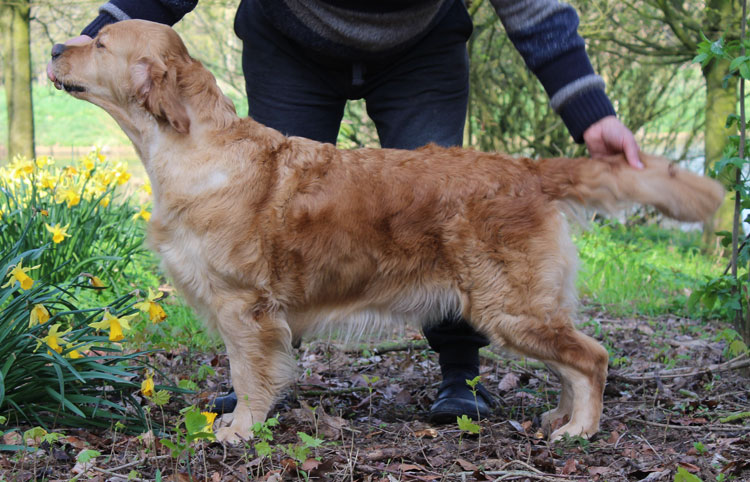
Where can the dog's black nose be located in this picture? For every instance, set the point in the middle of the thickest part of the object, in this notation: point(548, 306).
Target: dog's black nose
point(57, 50)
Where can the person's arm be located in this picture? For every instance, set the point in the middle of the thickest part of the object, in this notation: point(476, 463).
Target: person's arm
point(545, 32)
point(167, 12)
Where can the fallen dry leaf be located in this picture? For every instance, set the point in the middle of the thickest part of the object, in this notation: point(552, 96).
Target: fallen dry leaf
point(509, 382)
point(428, 432)
point(466, 465)
point(570, 467)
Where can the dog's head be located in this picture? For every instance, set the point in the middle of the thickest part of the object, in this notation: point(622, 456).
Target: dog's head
point(129, 63)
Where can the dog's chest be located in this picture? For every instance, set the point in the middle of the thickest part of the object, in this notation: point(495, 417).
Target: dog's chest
point(184, 255)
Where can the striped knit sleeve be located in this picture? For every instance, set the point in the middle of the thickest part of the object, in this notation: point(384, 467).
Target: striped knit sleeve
point(545, 32)
point(163, 11)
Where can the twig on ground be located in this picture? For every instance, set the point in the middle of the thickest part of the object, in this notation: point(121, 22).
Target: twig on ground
point(736, 363)
point(115, 474)
point(328, 393)
point(707, 427)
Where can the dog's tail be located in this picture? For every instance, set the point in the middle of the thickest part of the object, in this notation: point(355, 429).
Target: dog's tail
point(609, 183)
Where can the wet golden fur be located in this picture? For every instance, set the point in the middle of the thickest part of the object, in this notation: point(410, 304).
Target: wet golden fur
point(270, 237)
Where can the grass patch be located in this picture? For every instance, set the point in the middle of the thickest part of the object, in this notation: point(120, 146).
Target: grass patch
point(641, 269)
point(60, 119)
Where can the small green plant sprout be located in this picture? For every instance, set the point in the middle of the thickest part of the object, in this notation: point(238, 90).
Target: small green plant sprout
point(186, 384)
point(204, 372)
point(473, 386)
point(735, 345)
point(86, 456)
point(371, 381)
point(683, 475)
point(198, 426)
point(264, 435)
point(37, 435)
point(301, 452)
point(467, 425)
point(700, 448)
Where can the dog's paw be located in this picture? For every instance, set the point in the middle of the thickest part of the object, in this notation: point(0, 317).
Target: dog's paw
point(573, 430)
point(554, 419)
point(231, 435)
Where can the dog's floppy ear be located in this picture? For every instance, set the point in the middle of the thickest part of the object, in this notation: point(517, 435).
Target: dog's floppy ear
point(157, 89)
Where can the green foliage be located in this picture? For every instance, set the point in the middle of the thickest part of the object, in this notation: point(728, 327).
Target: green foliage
point(87, 456)
point(735, 346)
point(195, 425)
point(683, 475)
point(466, 424)
point(59, 370)
point(62, 120)
point(641, 268)
point(727, 295)
point(73, 211)
point(58, 364)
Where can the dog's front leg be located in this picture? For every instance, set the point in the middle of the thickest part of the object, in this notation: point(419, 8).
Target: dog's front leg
point(259, 349)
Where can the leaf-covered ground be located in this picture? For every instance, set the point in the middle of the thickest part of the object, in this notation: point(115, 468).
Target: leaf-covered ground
point(675, 401)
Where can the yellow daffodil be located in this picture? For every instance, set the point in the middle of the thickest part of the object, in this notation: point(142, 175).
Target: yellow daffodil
point(99, 156)
point(210, 417)
point(155, 312)
point(70, 171)
point(70, 196)
point(77, 353)
point(105, 178)
point(121, 174)
point(147, 386)
point(22, 168)
point(147, 188)
point(88, 163)
point(54, 338)
point(46, 180)
point(58, 233)
point(38, 316)
point(104, 202)
point(74, 354)
point(115, 325)
point(18, 273)
point(96, 282)
point(142, 214)
point(2, 213)
point(44, 212)
point(43, 161)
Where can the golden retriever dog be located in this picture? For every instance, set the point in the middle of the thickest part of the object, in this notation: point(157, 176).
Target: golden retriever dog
point(271, 237)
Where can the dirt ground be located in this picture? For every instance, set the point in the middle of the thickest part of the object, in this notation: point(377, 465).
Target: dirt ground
point(670, 388)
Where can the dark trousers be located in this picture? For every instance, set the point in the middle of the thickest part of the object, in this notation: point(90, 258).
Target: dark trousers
point(414, 97)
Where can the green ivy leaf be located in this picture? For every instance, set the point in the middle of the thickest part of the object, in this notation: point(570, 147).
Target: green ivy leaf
point(465, 424)
point(87, 456)
point(160, 398)
point(309, 441)
point(683, 475)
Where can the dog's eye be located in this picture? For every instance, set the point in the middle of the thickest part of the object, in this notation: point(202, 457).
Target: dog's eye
point(99, 44)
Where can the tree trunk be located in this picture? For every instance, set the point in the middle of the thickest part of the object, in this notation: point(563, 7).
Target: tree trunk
point(17, 73)
point(720, 103)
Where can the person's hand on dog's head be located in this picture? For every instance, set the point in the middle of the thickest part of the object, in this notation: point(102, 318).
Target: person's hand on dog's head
point(80, 40)
point(609, 136)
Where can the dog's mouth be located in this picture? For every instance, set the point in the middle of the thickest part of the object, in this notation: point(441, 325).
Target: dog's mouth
point(69, 87)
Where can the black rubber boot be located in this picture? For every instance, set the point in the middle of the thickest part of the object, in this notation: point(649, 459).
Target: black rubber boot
point(224, 404)
point(455, 397)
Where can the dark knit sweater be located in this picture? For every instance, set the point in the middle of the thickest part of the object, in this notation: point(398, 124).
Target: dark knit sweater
point(543, 31)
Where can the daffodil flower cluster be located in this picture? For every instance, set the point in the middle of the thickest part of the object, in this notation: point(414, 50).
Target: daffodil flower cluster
point(90, 178)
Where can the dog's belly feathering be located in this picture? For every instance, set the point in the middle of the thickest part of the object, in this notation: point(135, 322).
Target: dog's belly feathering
point(366, 318)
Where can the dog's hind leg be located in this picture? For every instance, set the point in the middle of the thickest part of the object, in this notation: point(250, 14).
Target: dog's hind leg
point(578, 360)
point(259, 349)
